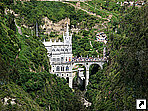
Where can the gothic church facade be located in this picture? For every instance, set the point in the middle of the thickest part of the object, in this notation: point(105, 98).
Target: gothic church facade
point(60, 56)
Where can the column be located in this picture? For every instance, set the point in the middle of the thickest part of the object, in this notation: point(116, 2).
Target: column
point(70, 82)
point(87, 78)
point(101, 66)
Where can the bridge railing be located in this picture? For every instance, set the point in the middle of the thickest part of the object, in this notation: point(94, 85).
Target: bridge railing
point(85, 59)
point(81, 59)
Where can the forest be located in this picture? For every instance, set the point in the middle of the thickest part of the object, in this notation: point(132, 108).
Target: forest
point(24, 65)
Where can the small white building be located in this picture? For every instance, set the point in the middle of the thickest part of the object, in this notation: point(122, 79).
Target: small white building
point(101, 37)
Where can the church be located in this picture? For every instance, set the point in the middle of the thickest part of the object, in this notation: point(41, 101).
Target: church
point(60, 56)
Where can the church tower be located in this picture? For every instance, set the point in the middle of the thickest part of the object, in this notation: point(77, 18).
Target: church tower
point(67, 37)
point(60, 56)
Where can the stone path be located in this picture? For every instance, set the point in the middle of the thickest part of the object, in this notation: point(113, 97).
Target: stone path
point(90, 44)
point(19, 28)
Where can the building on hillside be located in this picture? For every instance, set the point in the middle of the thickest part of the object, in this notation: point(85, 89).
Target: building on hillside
point(60, 56)
point(101, 37)
point(62, 61)
point(131, 3)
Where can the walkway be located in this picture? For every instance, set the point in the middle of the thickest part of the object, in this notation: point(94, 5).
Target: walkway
point(19, 28)
point(91, 44)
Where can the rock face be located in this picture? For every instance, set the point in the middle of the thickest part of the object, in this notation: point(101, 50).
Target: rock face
point(85, 102)
point(49, 26)
point(6, 99)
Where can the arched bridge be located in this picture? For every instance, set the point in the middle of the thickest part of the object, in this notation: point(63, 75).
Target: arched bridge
point(87, 62)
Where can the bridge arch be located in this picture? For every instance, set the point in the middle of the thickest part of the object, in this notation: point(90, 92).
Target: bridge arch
point(80, 80)
point(100, 64)
point(87, 66)
point(93, 69)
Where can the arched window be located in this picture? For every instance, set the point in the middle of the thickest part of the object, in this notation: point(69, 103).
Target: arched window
point(62, 49)
point(66, 58)
point(62, 68)
point(54, 59)
point(58, 59)
point(67, 68)
point(62, 59)
point(57, 68)
point(53, 49)
point(67, 78)
point(58, 50)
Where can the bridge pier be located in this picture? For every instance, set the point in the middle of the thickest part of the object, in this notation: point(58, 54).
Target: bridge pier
point(87, 78)
point(101, 66)
point(70, 82)
point(87, 64)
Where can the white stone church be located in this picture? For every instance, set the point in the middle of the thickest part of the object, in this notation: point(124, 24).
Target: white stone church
point(61, 61)
point(60, 56)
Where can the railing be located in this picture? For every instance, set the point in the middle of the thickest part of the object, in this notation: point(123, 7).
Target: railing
point(81, 59)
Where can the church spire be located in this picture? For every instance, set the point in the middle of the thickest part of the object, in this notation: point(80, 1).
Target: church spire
point(66, 37)
point(67, 30)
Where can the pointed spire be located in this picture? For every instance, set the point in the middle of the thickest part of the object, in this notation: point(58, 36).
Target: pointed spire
point(44, 40)
point(63, 34)
point(67, 27)
point(50, 40)
point(67, 30)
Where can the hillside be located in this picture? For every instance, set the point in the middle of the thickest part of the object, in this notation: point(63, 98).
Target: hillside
point(26, 83)
point(24, 73)
point(124, 78)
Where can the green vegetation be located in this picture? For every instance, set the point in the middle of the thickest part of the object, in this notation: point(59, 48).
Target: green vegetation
point(81, 46)
point(24, 73)
point(124, 78)
point(24, 65)
point(33, 12)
